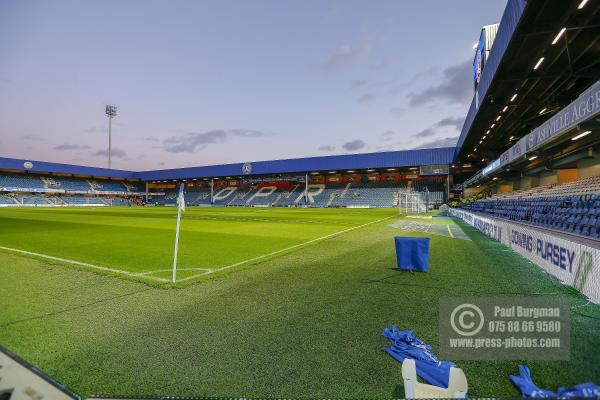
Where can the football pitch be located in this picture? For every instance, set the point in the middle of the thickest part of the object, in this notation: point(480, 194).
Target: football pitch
point(138, 243)
point(278, 303)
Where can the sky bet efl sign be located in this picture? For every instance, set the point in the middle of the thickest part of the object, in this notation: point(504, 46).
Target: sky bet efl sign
point(575, 264)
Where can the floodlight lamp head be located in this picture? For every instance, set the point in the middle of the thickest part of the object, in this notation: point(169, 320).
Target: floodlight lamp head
point(111, 111)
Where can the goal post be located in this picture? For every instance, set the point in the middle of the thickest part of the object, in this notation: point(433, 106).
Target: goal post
point(410, 203)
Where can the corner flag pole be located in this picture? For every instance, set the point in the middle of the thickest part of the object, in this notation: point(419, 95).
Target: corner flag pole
point(180, 208)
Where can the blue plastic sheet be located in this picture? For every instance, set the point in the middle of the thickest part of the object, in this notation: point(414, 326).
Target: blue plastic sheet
point(406, 345)
point(525, 384)
point(412, 253)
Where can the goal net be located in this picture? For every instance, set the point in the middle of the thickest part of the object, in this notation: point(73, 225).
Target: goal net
point(411, 203)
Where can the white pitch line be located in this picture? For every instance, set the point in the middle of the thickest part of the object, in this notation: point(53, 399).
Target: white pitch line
point(82, 264)
point(286, 249)
point(171, 269)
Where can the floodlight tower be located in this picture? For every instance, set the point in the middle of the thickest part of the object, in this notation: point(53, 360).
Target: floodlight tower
point(111, 112)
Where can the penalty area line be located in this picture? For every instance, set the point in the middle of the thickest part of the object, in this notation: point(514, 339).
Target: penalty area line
point(79, 263)
point(286, 249)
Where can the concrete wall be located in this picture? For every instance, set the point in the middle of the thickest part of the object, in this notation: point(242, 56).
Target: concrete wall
point(589, 167)
point(548, 178)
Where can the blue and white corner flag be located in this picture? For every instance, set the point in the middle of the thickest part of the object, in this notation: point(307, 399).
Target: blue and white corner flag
point(180, 199)
point(180, 208)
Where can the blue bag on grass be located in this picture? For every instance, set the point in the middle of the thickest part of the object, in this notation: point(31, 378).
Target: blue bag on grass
point(412, 253)
point(525, 384)
point(406, 345)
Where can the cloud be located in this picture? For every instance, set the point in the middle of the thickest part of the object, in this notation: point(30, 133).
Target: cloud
point(117, 153)
point(366, 98)
point(397, 111)
point(354, 145)
point(456, 87)
point(327, 148)
point(380, 65)
point(444, 142)
point(388, 133)
point(248, 133)
point(63, 147)
point(194, 141)
point(455, 123)
point(358, 83)
point(152, 139)
point(34, 137)
point(95, 129)
point(425, 133)
point(344, 55)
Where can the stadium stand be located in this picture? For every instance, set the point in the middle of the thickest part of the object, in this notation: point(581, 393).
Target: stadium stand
point(33, 190)
point(19, 181)
point(572, 208)
point(53, 183)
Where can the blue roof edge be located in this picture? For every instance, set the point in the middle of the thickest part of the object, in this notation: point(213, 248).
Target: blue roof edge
point(402, 158)
point(508, 24)
point(50, 167)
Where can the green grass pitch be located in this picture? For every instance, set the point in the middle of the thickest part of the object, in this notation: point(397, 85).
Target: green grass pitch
point(297, 313)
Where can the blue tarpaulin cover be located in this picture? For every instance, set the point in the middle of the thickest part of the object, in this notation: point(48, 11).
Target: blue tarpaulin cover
point(406, 345)
point(528, 389)
point(412, 253)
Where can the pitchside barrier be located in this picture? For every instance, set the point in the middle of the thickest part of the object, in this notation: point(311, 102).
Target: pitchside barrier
point(574, 264)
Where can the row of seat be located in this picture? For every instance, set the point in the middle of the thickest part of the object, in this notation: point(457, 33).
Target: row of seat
point(27, 182)
point(576, 214)
point(70, 200)
point(380, 195)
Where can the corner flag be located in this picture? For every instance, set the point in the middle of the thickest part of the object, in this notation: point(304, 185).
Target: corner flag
point(180, 199)
point(180, 208)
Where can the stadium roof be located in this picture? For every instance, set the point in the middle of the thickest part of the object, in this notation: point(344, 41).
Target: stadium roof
point(406, 158)
point(57, 168)
point(513, 97)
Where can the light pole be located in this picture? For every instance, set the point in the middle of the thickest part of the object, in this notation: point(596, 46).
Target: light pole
point(111, 112)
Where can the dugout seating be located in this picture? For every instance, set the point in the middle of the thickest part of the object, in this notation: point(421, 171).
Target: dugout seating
point(572, 208)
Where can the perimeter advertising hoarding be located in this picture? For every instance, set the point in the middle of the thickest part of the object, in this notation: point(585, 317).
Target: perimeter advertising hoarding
point(482, 52)
point(586, 106)
point(518, 150)
point(573, 263)
point(434, 169)
point(479, 60)
point(491, 167)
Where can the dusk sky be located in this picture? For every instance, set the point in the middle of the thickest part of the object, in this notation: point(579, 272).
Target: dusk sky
point(207, 82)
